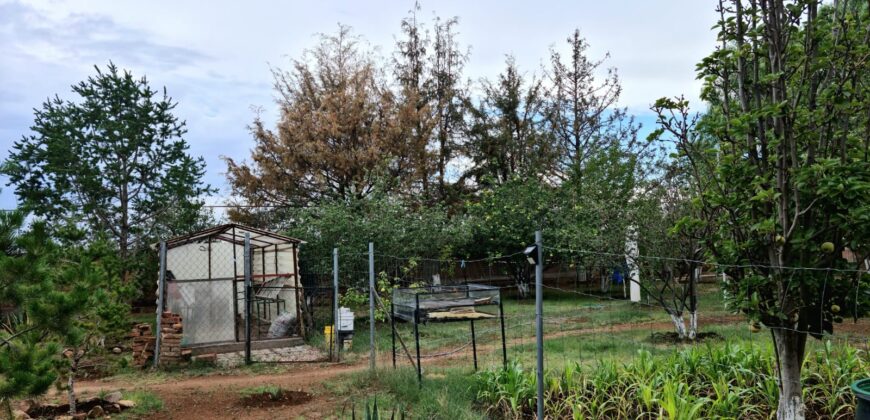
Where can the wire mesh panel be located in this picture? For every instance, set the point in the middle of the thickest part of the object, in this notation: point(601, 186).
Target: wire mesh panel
point(443, 303)
point(202, 287)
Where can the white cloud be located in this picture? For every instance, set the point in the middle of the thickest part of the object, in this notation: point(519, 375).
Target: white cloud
point(214, 56)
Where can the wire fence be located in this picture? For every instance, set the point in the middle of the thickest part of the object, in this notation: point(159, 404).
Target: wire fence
point(593, 303)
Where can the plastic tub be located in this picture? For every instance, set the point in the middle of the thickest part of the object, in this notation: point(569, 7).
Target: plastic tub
point(861, 389)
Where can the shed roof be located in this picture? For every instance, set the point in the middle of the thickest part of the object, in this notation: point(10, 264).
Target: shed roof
point(235, 233)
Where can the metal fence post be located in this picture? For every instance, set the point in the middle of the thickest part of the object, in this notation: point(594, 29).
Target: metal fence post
point(372, 305)
point(539, 320)
point(161, 286)
point(248, 297)
point(336, 314)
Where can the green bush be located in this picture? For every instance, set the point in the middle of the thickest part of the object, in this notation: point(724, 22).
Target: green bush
point(713, 381)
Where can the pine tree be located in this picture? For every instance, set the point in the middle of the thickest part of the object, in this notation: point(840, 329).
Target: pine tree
point(583, 113)
point(113, 160)
point(505, 136)
point(428, 69)
point(65, 292)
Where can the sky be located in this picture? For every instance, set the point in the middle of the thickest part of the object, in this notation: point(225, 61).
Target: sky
point(214, 57)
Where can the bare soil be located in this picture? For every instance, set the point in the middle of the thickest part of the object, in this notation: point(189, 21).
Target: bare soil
point(279, 399)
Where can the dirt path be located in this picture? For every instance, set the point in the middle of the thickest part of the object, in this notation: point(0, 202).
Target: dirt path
point(217, 396)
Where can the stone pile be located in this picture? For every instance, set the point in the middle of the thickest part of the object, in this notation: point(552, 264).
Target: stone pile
point(144, 343)
point(94, 407)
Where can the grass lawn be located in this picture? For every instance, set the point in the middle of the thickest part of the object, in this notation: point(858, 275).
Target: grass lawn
point(563, 312)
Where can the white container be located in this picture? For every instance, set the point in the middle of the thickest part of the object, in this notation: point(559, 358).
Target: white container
point(345, 320)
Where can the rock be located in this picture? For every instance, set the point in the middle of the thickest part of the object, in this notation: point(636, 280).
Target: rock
point(206, 358)
point(37, 408)
point(126, 404)
point(96, 412)
point(27, 405)
point(80, 416)
point(112, 409)
point(112, 397)
point(19, 415)
point(117, 350)
point(64, 417)
point(88, 400)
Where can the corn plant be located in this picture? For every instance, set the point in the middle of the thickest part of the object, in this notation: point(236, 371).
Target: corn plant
point(725, 381)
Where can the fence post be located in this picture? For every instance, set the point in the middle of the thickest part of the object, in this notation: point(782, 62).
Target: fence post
point(161, 286)
point(335, 313)
point(372, 305)
point(247, 269)
point(539, 319)
point(632, 254)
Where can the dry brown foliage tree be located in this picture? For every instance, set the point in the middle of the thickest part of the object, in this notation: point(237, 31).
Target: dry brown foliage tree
point(338, 135)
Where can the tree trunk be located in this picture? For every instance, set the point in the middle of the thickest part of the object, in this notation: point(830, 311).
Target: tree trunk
point(679, 325)
point(71, 381)
point(523, 288)
point(7, 407)
point(605, 283)
point(694, 277)
point(790, 347)
point(693, 325)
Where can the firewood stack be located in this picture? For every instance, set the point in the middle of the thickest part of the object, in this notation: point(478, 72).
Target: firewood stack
point(143, 344)
point(171, 333)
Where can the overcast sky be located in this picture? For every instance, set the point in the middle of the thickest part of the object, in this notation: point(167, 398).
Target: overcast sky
point(214, 56)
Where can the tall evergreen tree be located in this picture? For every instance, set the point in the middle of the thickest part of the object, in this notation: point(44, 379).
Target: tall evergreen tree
point(416, 114)
point(449, 92)
point(113, 160)
point(506, 138)
point(428, 68)
point(583, 113)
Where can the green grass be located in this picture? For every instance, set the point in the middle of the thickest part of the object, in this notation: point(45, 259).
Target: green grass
point(445, 393)
point(563, 312)
point(722, 380)
point(147, 403)
point(149, 377)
